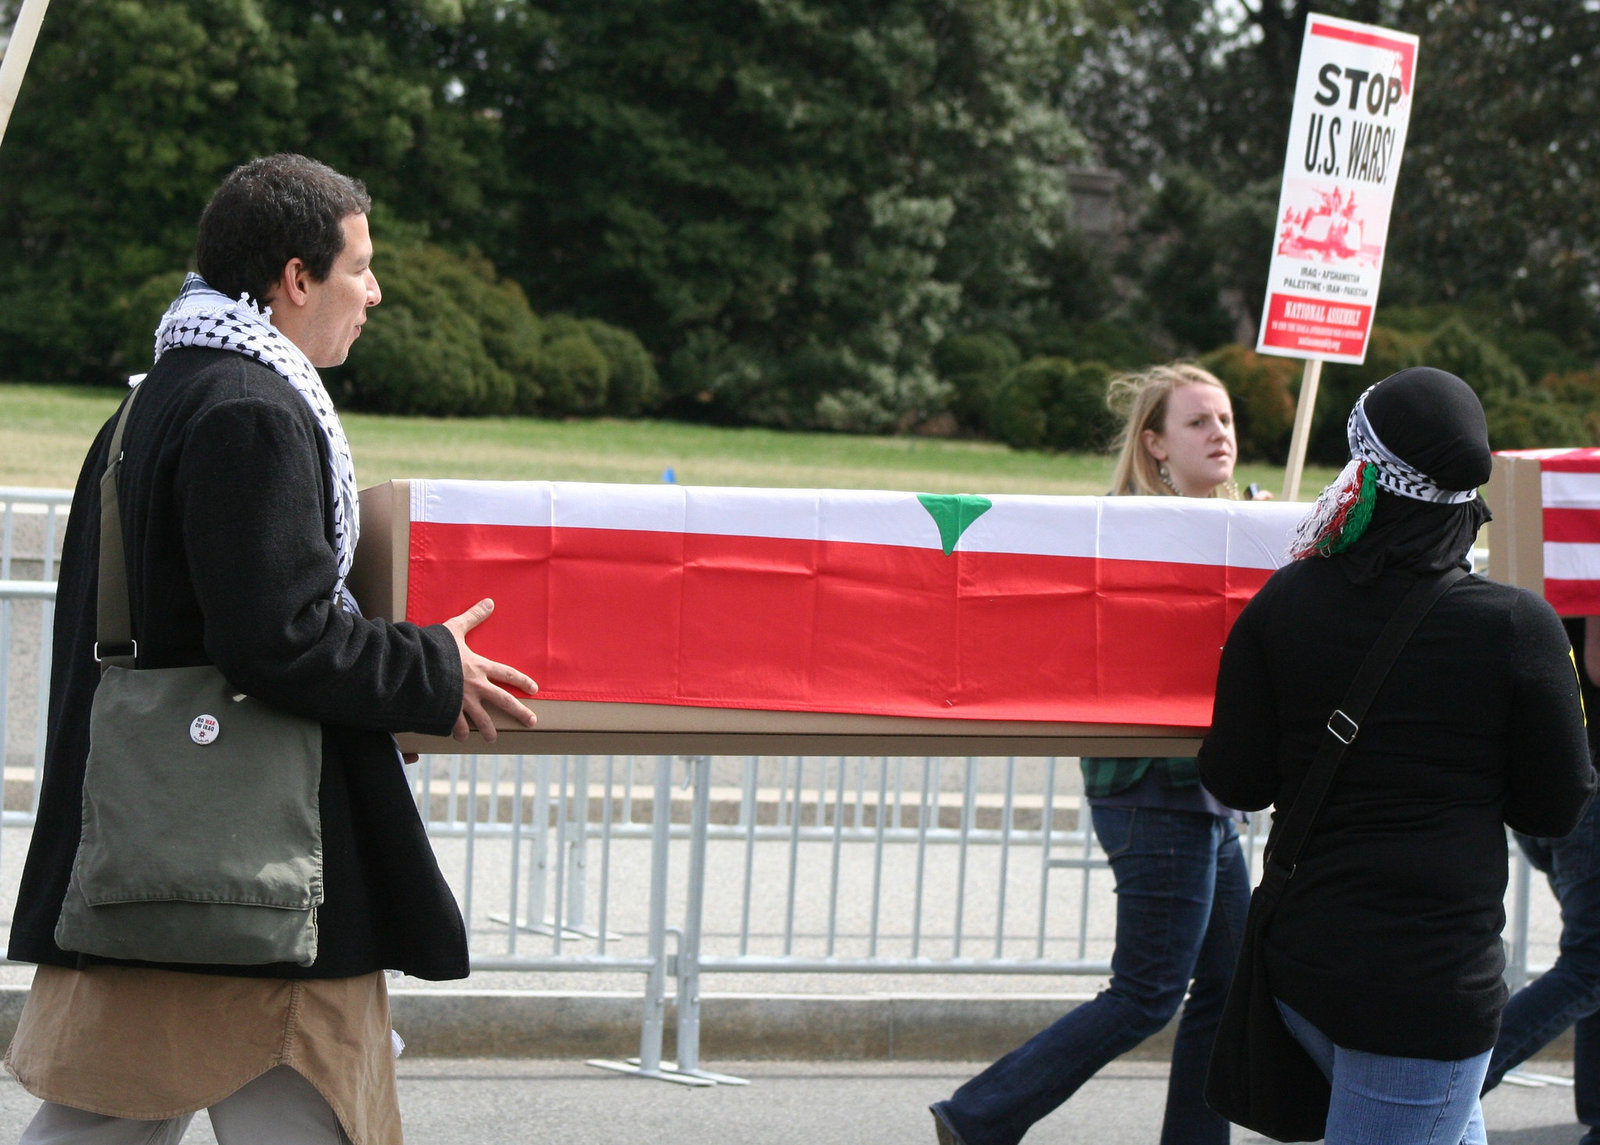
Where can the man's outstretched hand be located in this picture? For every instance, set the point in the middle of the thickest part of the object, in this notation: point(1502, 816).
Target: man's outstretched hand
point(484, 681)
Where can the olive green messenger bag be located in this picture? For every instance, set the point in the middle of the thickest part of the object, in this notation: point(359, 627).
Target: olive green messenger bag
point(201, 839)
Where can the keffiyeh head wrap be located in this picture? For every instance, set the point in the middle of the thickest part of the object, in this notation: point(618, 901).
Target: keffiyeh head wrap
point(203, 317)
point(1420, 435)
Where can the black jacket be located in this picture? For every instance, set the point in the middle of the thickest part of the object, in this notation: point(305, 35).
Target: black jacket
point(1388, 935)
point(227, 525)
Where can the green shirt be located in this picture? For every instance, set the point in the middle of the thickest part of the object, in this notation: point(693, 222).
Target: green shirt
point(1107, 775)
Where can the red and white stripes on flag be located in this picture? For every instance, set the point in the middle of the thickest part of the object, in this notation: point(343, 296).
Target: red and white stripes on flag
point(1074, 609)
point(1569, 481)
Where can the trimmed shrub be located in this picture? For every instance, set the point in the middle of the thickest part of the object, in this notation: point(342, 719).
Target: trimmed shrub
point(448, 339)
point(1076, 417)
point(423, 361)
point(975, 366)
point(1053, 403)
point(634, 385)
point(1259, 384)
point(512, 336)
point(573, 373)
point(1535, 421)
point(1389, 350)
point(1538, 353)
point(1576, 387)
point(1535, 352)
point(1455, 346)
point(1016, 412)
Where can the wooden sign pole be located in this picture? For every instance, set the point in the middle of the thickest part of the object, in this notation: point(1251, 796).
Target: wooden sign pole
point(1302, 428)
point(18, 51)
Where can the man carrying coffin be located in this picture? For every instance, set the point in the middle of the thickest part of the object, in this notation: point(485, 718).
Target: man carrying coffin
point(238, 522)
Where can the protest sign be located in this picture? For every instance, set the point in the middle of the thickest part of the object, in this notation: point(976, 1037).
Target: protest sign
point(1352, 106)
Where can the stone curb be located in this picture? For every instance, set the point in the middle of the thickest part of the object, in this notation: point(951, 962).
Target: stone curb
point(733, 1027)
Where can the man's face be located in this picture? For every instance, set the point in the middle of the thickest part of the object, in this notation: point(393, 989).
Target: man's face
point(336, 307)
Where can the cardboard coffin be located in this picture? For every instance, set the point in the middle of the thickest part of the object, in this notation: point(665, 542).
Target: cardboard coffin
point(1545, 535)
point(665, 618)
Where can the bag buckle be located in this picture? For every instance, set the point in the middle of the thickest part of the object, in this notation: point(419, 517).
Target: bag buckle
point(1272, 862)
point(117, 651)
point(1343, 727)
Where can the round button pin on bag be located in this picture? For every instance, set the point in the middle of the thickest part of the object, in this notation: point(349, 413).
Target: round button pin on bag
point(204, 729)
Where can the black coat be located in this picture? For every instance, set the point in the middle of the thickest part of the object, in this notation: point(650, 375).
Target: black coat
point(1388, 935)
point(227, 525)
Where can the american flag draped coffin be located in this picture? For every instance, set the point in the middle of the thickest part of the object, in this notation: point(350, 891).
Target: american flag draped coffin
point(1546, 531)
point(954, 612)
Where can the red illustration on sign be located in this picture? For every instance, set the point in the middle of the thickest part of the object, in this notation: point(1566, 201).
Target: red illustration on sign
point(1333, 230)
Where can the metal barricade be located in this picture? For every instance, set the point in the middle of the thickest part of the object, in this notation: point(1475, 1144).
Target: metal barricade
point(763, 865)
point(966, 849)
point(32, 527)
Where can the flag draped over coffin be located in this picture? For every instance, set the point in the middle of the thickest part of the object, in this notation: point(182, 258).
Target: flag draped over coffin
point(1073, 609)
point(1569, 481)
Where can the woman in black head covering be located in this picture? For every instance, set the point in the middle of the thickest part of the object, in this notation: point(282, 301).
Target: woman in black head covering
point(1384, 953)
point(1419, 448)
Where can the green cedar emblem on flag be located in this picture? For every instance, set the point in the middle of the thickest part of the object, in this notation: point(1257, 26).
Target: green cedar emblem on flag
point(953, 512)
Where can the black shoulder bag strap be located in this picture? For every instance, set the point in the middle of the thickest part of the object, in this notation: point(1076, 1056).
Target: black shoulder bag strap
point(114, 646)
point(1345, 724)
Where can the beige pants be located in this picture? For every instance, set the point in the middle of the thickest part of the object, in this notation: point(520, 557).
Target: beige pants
point(278, 1108)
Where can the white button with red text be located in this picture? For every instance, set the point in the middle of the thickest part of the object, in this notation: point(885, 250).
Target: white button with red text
point(204, 729)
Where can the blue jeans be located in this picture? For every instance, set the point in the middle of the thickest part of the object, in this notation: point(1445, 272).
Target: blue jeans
point(1182, 896)
point(1383, 1100)
point(1568, 994)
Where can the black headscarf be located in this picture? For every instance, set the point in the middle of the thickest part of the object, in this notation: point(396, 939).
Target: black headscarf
point(1434, 423)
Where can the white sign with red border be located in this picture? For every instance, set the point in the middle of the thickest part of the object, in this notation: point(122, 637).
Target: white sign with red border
point(1352, 106)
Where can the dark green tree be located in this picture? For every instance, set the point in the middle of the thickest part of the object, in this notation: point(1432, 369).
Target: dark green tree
point(133, 111)
point(1494, 209)
point(1497, 206)
point(790, 200)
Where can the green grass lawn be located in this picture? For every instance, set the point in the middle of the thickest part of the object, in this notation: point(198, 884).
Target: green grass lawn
point(44, 431)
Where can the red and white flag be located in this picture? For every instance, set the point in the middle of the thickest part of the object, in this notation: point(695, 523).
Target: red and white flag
point(1569, 481)
point(1105, 610)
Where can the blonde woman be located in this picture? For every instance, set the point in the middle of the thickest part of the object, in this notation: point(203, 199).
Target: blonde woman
point(1178, 434)
point(1182, 889)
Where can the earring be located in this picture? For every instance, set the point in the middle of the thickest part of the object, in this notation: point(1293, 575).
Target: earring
point(1166, 477)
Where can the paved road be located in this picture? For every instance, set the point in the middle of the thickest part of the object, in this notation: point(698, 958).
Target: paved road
point(515, 1102)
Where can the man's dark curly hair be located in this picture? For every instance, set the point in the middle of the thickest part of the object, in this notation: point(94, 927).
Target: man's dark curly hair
point(269, 211)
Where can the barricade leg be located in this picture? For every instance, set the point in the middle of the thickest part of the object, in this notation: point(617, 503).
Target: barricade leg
point(688, 1063)
point(648, 1063)
point(575, 847)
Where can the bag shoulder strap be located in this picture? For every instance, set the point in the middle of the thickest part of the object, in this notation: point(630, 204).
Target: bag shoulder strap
point(114, 646)
point(1345, 722)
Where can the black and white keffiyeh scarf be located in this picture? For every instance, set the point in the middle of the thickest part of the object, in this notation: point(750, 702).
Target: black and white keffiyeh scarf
point(1394, 474)
point(1343, 510)
point(203, 317)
